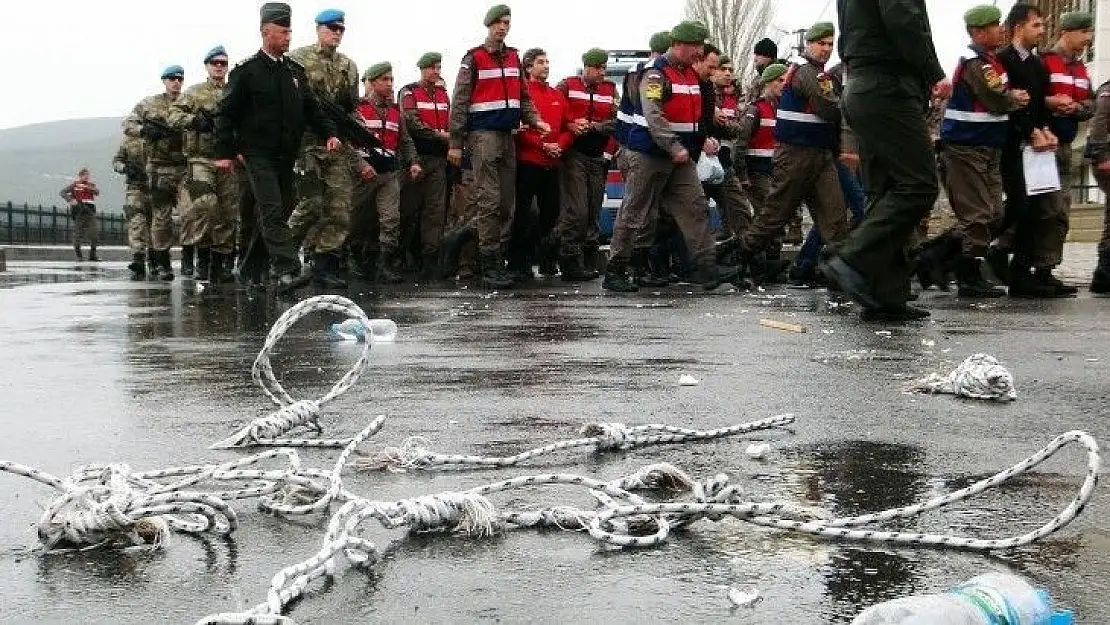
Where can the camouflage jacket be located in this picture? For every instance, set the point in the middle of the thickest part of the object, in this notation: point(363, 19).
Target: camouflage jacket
point(332, 75)
point(200, 97)
point(167, 151)
point(130, 160)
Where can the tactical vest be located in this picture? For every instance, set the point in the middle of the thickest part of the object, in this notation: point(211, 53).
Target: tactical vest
point(626, 109)
point(1067, 77)
point(387, 130)
point(433, 110)
point(681, 108)
point(495, 99)
point(797, 121)
point(592, 105)
point(966, 120)
point(761, 145)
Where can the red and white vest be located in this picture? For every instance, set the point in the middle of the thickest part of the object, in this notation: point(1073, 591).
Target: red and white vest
point(682, 111)
point(433, 109)
point(83, 192)
point(1067, 77)
point(594, 105)
point(388, 130)
point(761, 145)
point(495, 98)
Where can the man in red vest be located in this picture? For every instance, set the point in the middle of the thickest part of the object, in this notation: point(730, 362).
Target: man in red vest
point(591, 116)
point(537, 171)
point(490, 103)
point(425, 106)
point(81, 196)
point(759, 137)
point(379, 201)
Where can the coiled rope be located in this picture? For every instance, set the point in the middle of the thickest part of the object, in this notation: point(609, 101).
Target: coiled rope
point(979, 377)
point(600, 437)
point(293, 413)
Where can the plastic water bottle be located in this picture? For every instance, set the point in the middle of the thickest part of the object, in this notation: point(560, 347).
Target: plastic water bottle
point(984, 600)
point(379, 330)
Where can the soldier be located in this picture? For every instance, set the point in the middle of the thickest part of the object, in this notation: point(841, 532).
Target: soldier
point(804, 165)
point(380, 201)
point(165, 165)
point(1098, 151)
point(764, 53)
point(659, 43)
point(262, 119)
point(727, 125)
point(81, 197)
point(661, 172)
point(759, 124)
point(426, 107)
point(130, 161)
point(326, 187)
point(591, 113)
point(491, 102)
point(208, 225)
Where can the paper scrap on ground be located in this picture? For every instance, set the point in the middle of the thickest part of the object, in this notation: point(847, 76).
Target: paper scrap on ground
point(687, 380)
point(742, 599)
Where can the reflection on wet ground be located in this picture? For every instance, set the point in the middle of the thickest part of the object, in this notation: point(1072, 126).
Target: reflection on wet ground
point(103, 370)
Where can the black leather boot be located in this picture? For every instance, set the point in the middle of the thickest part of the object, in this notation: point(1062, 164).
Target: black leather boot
point(138, 267)
point(187, 266)
point(324, 276)
point(970, 280)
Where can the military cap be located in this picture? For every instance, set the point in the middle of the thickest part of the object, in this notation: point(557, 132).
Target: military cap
point(1076, 20)
point(724, 60)
point(276, 13)
point(690, 32)
point(496, 12)
point(595, 57)
point(820, 30)
point(772, 72)
point(215, 52)
point(173, 71)
point(982, 15)
point(766, 47)
point(660, 42)
point(377, 70)
point(330, 16)
point(429, 59)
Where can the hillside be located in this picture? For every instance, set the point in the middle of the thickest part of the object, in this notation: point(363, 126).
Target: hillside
point(36, 161)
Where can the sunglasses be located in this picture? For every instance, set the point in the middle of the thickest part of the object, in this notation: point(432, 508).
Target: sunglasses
point(218, 63)
point(336, 27)
point(178, 78)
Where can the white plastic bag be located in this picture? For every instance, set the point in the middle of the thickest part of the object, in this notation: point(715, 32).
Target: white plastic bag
point(710, 170)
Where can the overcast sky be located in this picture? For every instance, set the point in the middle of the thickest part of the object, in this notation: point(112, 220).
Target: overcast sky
point(76, 58)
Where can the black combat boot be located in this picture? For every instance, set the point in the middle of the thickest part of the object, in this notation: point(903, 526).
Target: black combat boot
point(77, 252)
point(494, 275)
point(92, 254)
point(998, 260)
point(164, 266)
point(970, 280)
point(647, 274)
point(204, 263)
point(572, 270)
point(547, 253)
point(590, 258)
point(389, 271)
point(1024, 285)
point(430, 269)
point(216, 270)
point(187, 266)
point(138, 267)
point(1100, 281)
point(1043, 275)
point(324, 276)
point(617, 279)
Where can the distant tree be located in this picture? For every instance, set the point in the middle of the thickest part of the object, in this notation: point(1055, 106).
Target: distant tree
point(734, 26)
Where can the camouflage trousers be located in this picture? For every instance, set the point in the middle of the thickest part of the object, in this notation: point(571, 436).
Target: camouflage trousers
point(322, 218)
point(136, 209)
point(208, 217)
point(165, 185)
point(85, 229)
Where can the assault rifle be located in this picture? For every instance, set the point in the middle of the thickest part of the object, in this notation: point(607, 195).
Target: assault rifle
point(351, 130)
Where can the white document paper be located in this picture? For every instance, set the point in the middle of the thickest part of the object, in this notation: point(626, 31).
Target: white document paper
point(1041, 174)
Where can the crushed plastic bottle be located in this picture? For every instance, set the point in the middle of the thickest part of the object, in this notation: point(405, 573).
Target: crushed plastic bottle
point(379, 330)
point(983, 600)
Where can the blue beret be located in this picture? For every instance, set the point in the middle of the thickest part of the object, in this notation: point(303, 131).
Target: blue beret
point(173, 70)
point(215, 52)
point(328, 16)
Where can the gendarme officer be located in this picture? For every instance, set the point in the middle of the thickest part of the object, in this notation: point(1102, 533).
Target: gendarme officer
point(262, 119)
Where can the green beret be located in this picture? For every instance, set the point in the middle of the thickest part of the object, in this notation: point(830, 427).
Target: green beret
point(724, 60)
point(1076, 20)
point(377, 70)
point(496, 12)
point(429, 59)
point(772, 72)
point(690, 32)
point(595, 57)
point(982, 15)
point(660, 42)
point(820, 30)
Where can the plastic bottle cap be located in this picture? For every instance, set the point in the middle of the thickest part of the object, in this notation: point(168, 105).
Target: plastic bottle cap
point(1062, 617)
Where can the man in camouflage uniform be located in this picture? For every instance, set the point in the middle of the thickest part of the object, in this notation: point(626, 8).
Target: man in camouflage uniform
point(326, 186)
point(130, 161)
point(165, 166)
point(208, 219)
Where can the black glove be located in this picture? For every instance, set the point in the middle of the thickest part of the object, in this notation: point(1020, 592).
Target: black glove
point(202, 121)
point(153, 132)
point(133, 172)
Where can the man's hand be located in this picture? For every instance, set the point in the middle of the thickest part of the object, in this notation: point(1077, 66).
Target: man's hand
point(543, 127)
point(580, 126)
point(454, 156)
point(553, 150)
point(415, 170)
point(850, 159)
point(225, 164)
point(711, 146)
point(1059, 102)
point(1043, 141)
point(943, 89)
point(720, 117)
point(1104, 166)
point(1021, 96)
point(367, 172)
point(681, 157)
point(333, 144)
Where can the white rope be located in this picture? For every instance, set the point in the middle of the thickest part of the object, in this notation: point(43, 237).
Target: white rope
point(624, 519)
point(979, 377)
point(601, 437)
point(293, 413)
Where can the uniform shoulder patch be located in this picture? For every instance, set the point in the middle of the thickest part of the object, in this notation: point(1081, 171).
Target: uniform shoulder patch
point(652, 85)
point(994, 81)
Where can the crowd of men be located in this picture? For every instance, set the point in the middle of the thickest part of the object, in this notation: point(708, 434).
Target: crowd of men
point(283, 157)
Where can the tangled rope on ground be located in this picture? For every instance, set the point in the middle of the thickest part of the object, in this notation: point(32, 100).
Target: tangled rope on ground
point(413, 454)
point(979, 377)
point(623, 519)
point(293, 413)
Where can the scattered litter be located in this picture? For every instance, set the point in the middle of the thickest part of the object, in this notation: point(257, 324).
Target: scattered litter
point(757, 451)
point(928, 343)
point(452, 422)
point(782, 325)
point(828, 331)
point(979, 377)
point(687, 380)
point(1092, 360)
point(884, 333)
point(743, 599)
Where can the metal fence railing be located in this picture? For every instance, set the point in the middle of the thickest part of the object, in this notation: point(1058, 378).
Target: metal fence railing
point(23, 224)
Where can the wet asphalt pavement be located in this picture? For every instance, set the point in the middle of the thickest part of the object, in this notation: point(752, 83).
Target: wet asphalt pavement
point(97, 369)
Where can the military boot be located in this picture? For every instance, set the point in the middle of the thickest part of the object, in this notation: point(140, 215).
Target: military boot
point(430, 268)
point(204, 263)
point(647, 274)
point(92, 254)
point(1024, 285)
point(998, 260)
point(324, 276)
point(389, 270)
point(138, 267)
point(617, 279)
point(187, 266)
point(571, 269)
point(218, 268)
point(494, 275)
point(1100, 281)
point(163, 265)
point(590, 258)
point(547, 253)
point(970, 280)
